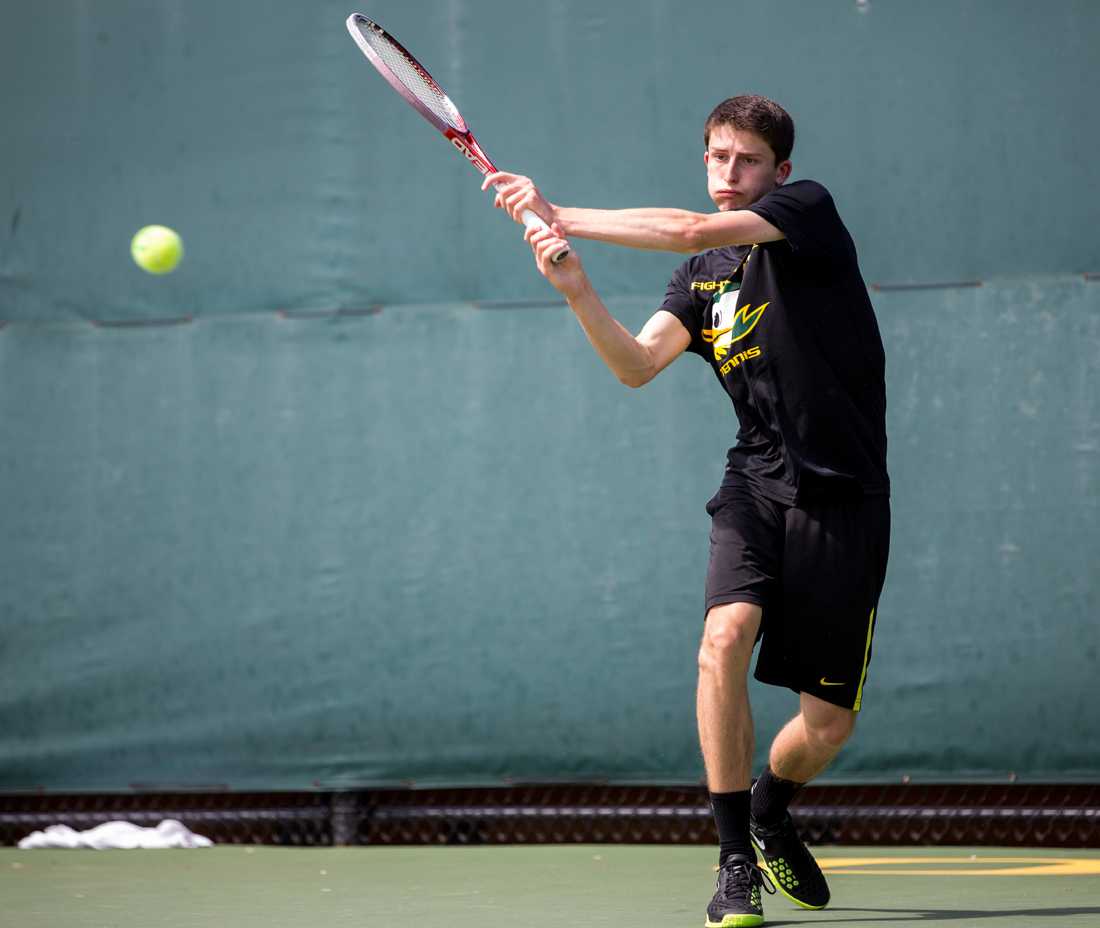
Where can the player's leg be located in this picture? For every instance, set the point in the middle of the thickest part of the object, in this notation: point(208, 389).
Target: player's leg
point(805, 746)
point(722, 698)
point(834, 566)
point(746, 544)
point(726, 738)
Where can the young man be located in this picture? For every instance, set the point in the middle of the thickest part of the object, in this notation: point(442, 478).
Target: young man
point(775, 303)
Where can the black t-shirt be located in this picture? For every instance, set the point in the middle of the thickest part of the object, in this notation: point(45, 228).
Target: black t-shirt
point(790, 333)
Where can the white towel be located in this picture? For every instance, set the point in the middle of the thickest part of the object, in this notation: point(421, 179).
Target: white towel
point(126, 835)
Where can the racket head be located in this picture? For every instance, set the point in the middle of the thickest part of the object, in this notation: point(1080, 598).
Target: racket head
point(405, 74)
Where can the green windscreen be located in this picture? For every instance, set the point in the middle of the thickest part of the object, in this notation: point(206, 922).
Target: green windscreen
point(348, 499)
point(443, 544)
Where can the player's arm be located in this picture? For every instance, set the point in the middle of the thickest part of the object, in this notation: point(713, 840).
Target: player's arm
point(657, 229)
point(661, 229)
point(635, 360)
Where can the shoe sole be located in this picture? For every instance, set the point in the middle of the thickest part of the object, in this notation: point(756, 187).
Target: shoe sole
point(775, 880)
point(737, 921)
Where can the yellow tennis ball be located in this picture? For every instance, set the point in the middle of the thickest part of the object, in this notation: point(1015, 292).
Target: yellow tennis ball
point(157, 249)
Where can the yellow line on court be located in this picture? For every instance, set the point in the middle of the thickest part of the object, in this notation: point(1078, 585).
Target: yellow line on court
point(963, 866)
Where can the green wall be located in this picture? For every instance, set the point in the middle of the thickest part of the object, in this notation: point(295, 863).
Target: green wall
point(440, 543)
point(443, 544)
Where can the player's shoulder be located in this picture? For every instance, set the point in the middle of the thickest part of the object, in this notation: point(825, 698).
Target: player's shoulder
point(797, 204)
point(806, 190)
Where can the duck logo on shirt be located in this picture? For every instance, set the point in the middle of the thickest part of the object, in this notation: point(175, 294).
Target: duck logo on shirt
point(730, 323)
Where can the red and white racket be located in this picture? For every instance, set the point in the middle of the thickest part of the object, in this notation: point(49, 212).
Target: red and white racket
point(409, 78)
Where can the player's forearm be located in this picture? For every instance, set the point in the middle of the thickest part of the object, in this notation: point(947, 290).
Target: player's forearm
point(667, 229)
point(656, 229)
point(628, 360)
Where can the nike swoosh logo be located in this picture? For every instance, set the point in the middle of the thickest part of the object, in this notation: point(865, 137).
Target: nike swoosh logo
point(825, 682)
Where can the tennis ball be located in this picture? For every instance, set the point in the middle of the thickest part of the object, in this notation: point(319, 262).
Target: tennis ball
point(157, 249)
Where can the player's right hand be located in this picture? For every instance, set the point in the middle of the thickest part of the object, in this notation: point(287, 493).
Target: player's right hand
point(516, 193)
point(568, 277)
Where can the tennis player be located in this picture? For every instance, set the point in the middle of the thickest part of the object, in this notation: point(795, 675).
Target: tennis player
point(773, 300)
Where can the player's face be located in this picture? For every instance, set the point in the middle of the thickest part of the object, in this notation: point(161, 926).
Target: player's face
point(741, 168)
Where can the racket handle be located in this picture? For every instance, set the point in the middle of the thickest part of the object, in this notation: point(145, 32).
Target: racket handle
point(532, 221)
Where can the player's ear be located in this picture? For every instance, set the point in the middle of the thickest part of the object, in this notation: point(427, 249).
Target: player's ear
point(782, 172)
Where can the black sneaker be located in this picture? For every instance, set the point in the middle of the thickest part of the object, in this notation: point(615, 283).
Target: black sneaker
point(736, 903)
point(786, 859)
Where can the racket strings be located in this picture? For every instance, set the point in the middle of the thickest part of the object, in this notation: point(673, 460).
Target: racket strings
point(413, 77)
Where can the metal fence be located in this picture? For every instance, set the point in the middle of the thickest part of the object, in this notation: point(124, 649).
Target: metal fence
point(1037, 815)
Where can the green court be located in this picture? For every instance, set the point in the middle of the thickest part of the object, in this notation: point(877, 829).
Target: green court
point(579, 885)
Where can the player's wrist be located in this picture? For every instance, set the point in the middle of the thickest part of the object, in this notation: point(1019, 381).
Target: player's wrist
point(563, 217)
point(578, 288)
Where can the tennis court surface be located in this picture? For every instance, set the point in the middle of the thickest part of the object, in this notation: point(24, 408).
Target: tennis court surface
point(643, 886)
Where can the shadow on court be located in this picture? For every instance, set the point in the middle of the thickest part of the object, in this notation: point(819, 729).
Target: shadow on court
point(886, 916)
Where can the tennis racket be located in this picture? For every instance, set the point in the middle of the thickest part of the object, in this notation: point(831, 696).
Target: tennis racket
point(409, 78)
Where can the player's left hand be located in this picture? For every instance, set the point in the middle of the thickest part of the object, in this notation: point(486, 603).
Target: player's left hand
point(568, 277)
point(516, 193)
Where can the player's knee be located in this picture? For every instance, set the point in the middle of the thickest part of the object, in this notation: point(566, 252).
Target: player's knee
point(728, 636)
point(831, 729)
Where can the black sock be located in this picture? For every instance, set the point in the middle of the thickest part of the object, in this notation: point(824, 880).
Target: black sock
point(770, 797)
point(731, 816)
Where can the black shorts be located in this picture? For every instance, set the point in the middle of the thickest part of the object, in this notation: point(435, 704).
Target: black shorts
point(817, 571)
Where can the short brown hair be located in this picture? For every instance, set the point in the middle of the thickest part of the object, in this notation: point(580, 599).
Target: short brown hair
point(757, 114)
